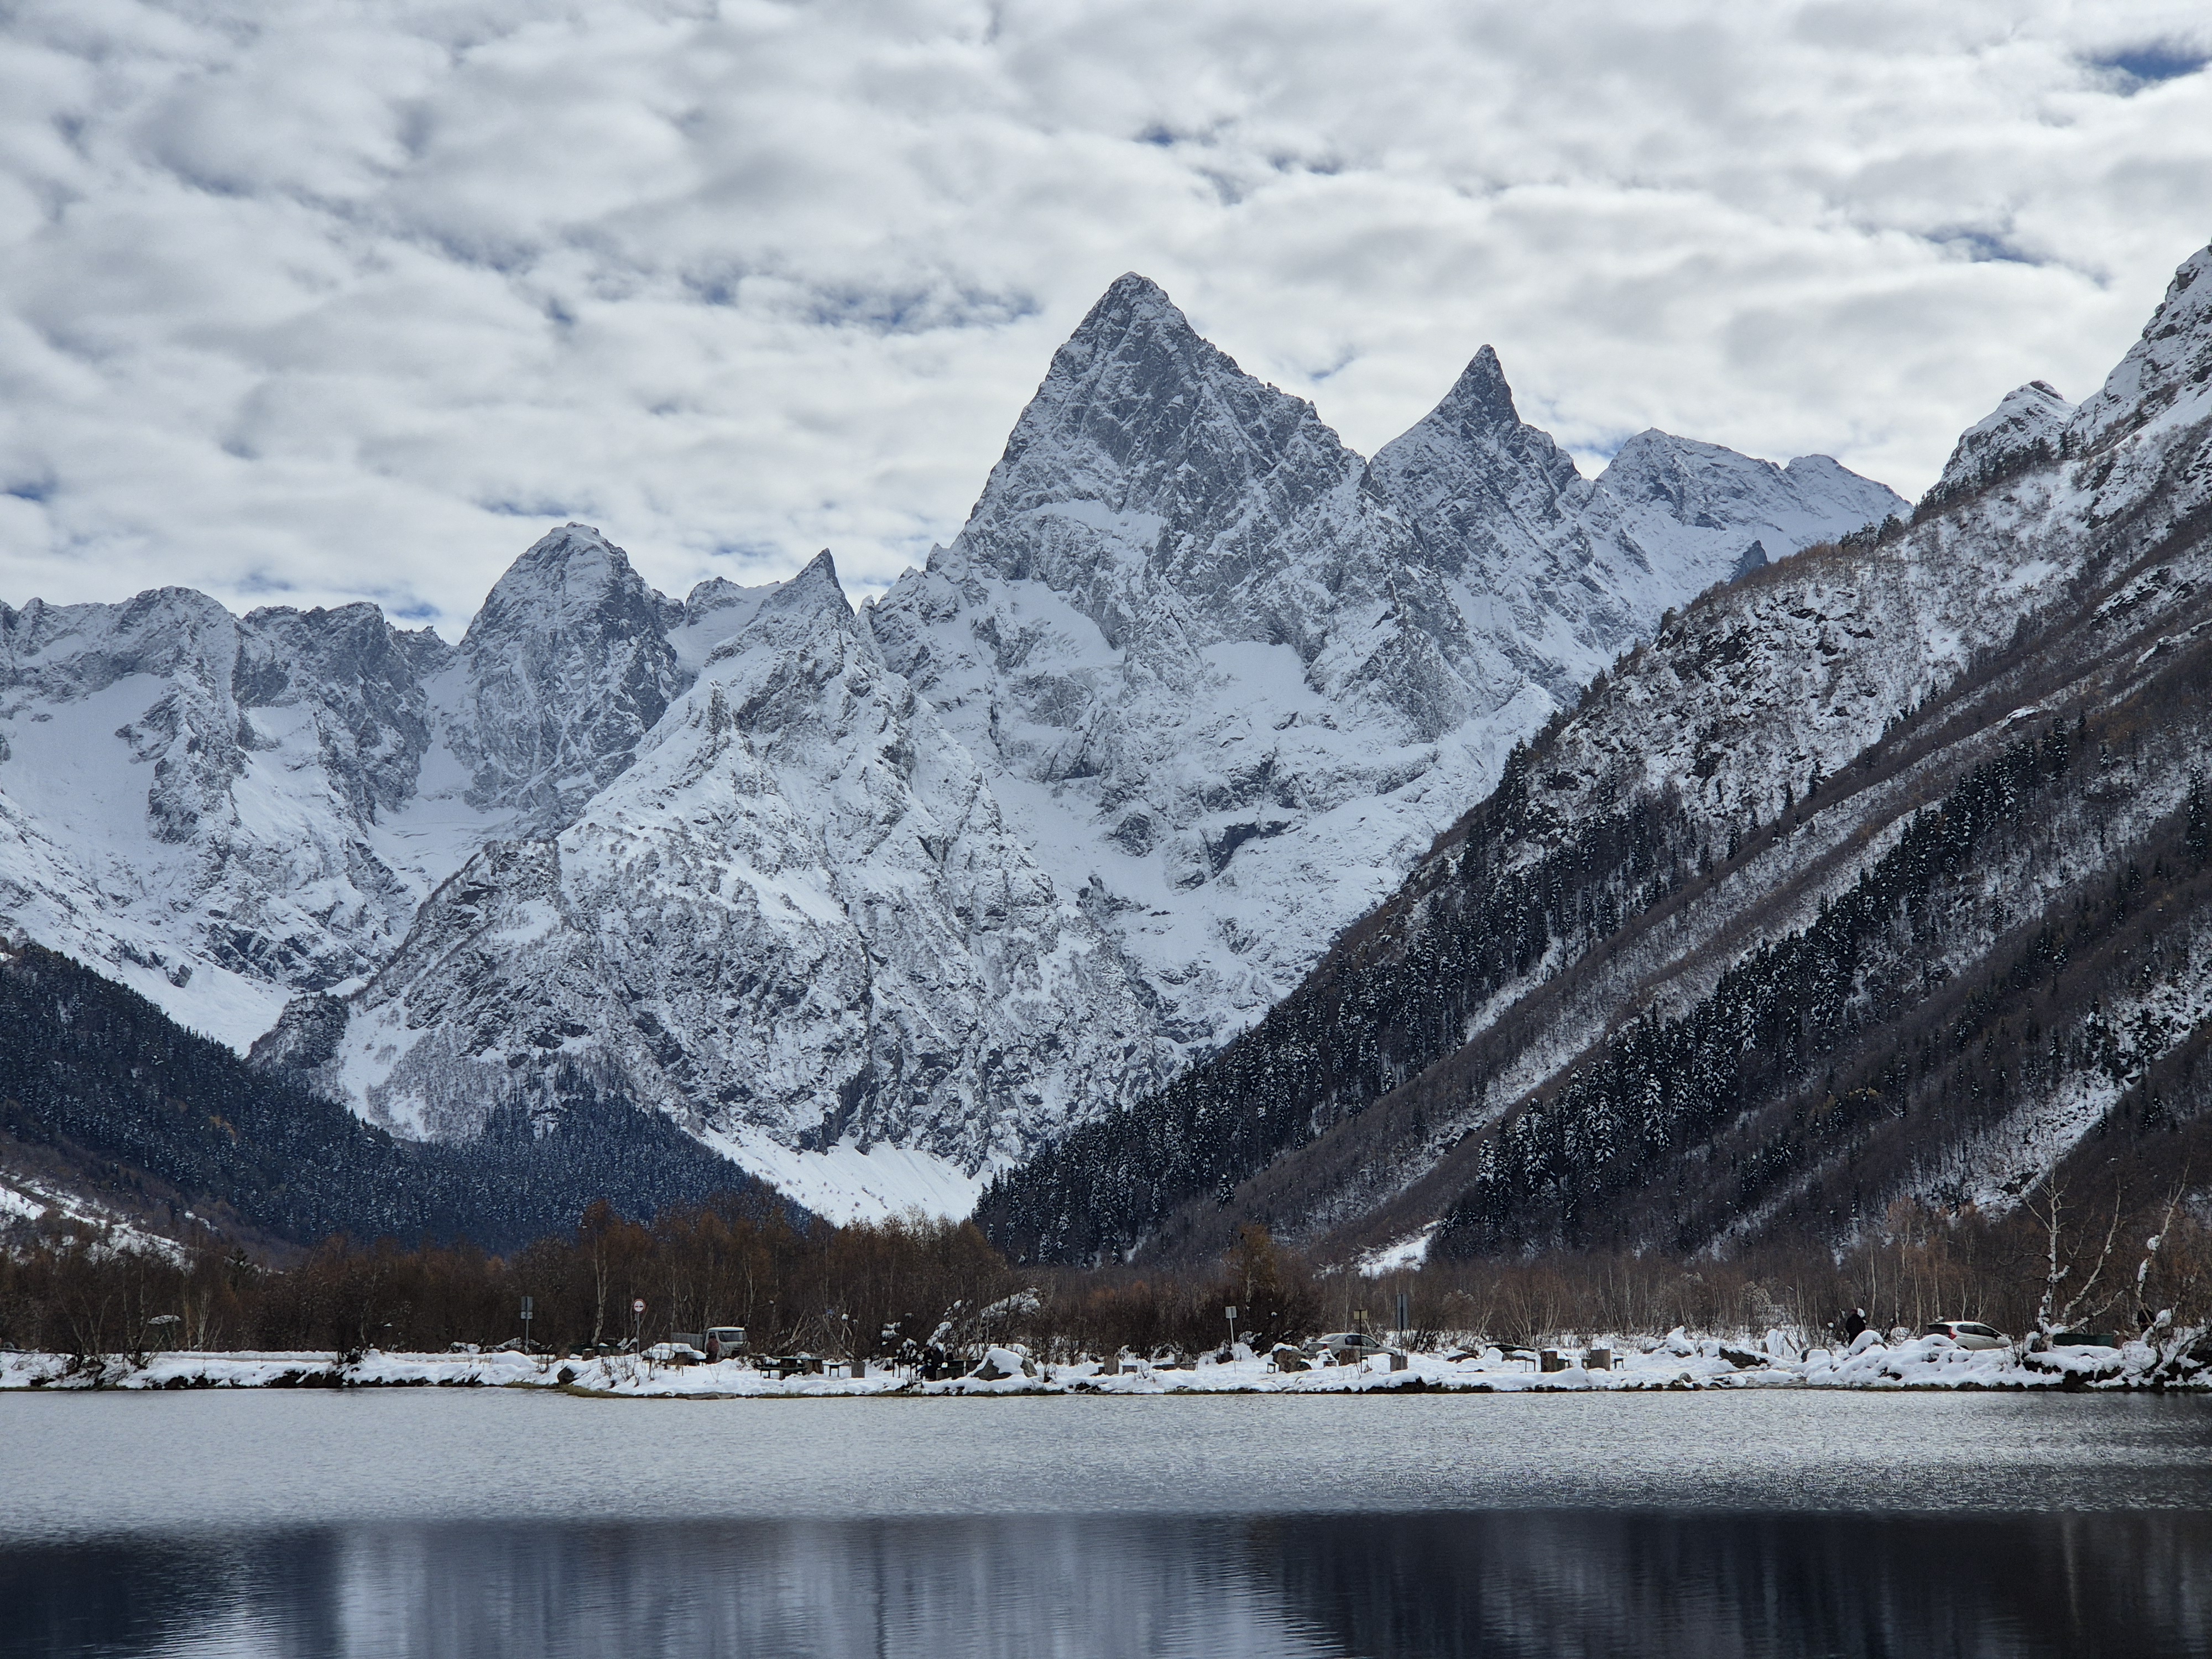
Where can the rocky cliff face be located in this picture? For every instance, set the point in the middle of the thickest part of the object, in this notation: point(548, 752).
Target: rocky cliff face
point(1229, 681)
point(874, 903)
point(565, 668)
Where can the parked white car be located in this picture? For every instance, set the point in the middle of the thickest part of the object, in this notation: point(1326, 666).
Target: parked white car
point(1969, 1334)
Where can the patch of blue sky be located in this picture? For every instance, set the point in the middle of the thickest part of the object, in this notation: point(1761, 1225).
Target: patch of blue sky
point(1982, 246)
point(1329, 371)
point(508, 256)
point(1593, 452)
point(919, 310)
point(717, 290)
point(2149, 64)
point(747, 552)
point(510, 507)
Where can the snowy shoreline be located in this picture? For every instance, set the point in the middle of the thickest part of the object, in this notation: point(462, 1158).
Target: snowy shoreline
point(1927, 1363)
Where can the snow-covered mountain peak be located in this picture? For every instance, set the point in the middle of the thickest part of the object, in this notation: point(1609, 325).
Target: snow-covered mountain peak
point(1133, 316)
point(1660, 466)
point(1481, 398)
point(1475, 483)
point(711, 613)
point(570, 555)
point(748, 619)
point(797, 922)
point(1669, 484)
point(1131, 300)
point(2167, 373)
point(2027, 426)
point(216, 810)
point(814, 594)
point(566, 667)
point(1226, 679)
point(364, 679)
point(2139, 443)
point(1191, 688)
point(802, 635)
point(1146, 441)
point(75, 650)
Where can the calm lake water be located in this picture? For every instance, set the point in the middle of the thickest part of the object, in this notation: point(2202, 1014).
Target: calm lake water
point(424, 1524)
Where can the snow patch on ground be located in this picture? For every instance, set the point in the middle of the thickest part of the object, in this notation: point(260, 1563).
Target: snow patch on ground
point(1403, 1256)
point(24, 1201)
point(847, 1184)
point(1933, 1362)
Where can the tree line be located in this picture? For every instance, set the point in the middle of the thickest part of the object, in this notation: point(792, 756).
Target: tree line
point(897, 1288)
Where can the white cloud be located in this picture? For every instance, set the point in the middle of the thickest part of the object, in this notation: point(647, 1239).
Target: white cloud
point(338, 299)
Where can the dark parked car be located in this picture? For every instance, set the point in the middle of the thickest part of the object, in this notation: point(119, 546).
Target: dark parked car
point(1345, 1347)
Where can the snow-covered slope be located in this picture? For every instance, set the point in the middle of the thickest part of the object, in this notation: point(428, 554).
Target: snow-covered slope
point(1229, 681)
point(2027, 427)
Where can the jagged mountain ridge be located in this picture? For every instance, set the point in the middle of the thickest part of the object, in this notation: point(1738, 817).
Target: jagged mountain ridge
point(1877, 875)
point(873, 902)
point(1230, 680)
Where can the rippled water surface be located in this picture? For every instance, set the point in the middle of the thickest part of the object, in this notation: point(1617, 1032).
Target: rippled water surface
point(436, 1523)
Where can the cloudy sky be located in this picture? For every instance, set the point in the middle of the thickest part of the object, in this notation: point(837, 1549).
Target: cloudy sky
point(312, 301)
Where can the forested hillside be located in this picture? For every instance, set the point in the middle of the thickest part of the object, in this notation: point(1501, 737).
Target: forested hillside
point(155, 1123)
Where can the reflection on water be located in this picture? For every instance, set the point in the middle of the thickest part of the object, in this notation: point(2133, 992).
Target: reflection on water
point(417, 1525)
point(1556, 1583)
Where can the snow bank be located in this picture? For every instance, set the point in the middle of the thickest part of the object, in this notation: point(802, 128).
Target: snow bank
point(1932, 1362)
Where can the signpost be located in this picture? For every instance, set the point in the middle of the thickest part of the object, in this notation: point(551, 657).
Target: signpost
point(637, 1323)
point(528, 1307)
point(1231, 1312)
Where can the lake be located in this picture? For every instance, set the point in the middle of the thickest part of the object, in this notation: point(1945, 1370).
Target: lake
point(430, 1522)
